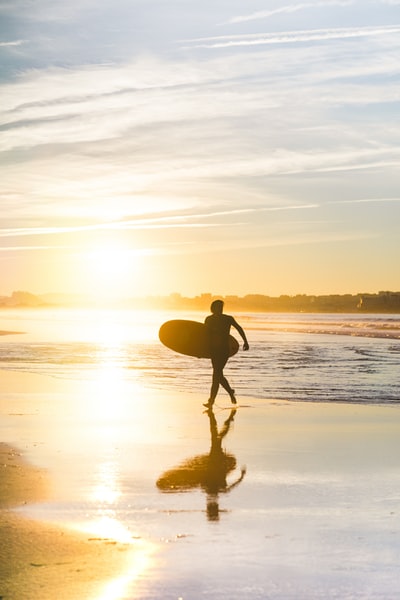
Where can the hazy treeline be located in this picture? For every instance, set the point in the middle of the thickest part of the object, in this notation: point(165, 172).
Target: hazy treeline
point(382, 302)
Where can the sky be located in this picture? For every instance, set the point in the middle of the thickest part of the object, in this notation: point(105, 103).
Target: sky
point(228, 147)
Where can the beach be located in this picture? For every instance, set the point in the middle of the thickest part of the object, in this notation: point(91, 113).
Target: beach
point(41, 559)
point(48, 562)
point(129, 493)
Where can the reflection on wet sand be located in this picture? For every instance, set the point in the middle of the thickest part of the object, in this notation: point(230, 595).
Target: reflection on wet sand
point(48, 560)
point(206, 471)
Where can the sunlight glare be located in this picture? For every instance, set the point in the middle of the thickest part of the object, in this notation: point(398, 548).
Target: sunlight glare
point(110, 391)
point(107, 528)
point(111, 269)
point(138, 556)
point(141, 561)
point(106, 489)
point(106, 326)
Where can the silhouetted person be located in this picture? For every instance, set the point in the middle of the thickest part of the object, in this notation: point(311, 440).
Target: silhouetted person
point(207, 471)
point(218, 328)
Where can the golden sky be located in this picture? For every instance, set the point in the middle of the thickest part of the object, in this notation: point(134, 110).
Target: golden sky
point(225, 147)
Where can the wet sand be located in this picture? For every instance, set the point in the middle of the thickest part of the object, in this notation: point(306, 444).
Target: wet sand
point(39, 560)
point(112, 491)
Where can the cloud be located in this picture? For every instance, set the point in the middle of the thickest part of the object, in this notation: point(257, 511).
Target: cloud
point(28, 248)
point(289, 8)
point(99, 142)
point(12, 43)
point(167, 220)
point(82, 106)
point(46, 10)
point(366, 201)
point(291, 37)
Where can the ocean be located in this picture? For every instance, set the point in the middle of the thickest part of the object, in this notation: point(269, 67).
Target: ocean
point(295, 357)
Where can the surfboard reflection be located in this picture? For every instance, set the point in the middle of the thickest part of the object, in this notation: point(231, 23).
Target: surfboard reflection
point(206, 471)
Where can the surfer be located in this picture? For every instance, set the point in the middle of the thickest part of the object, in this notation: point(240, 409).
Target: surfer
point(218, 328)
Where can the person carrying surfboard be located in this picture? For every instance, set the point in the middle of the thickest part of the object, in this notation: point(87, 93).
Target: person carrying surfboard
point(218, 327)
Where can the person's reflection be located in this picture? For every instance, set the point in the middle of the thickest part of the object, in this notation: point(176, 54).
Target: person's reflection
point(207, 471)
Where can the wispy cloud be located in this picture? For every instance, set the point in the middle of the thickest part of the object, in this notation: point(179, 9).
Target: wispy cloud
point(290, 37)
point(175, 220)
point(289, 8)
point(12, 43)
point(32, 247)
point(45, 10)
point(366, 201)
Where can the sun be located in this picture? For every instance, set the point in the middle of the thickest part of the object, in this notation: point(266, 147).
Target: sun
point(111, 269)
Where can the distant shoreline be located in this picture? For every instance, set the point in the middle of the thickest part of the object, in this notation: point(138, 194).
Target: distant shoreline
point(383, 302)
point(231, 306)
point(11, 332)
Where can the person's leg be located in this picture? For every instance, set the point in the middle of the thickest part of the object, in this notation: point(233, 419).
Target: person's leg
point(214, 385)
point(219, 378)
point(218, 364)
point(225, 384)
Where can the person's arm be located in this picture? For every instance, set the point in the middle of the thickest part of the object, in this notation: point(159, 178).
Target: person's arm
point(235, 483)
point(242, 334)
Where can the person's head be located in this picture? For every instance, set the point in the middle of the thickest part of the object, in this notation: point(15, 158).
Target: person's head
point(217, 307)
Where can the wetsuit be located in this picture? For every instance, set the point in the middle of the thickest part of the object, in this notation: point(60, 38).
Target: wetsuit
point(218, 328)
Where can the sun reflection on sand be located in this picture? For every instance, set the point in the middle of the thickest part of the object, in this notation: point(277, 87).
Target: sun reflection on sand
point(89, 430)
point(109, 393)
point(117, 588)
point(106, 489)
point(115, 405)
point(137, 555)
point(109, 405)
point(107, 527)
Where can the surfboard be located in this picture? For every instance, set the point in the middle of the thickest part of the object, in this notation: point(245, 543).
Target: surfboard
point(190, 338)
point(198, 471)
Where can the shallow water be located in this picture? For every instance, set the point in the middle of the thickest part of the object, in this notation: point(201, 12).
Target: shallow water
point(320, 358)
